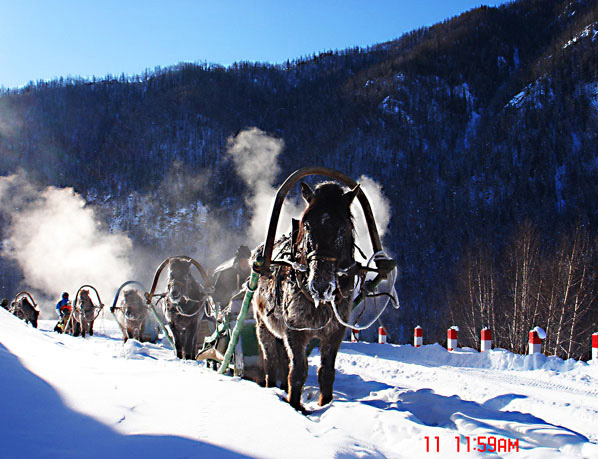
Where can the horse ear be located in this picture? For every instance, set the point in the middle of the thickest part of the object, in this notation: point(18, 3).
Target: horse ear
point(307, 193)
point(350, 195)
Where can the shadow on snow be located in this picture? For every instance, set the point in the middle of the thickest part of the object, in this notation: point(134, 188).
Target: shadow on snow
point(35, 422)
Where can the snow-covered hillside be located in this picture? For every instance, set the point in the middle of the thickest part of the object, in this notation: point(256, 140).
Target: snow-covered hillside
point(65, 397)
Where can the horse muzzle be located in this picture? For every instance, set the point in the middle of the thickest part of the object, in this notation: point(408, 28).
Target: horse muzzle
point(321, 281)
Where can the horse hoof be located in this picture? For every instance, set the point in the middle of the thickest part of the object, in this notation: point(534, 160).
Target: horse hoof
point(324, 400)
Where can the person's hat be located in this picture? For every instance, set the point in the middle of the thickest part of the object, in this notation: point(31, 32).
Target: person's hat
point(243, 252)
point(65, 295)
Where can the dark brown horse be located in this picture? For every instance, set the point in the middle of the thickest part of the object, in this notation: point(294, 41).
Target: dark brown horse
point(25, 309)
point(137, 319)
point(304, 299)
point(184, 306)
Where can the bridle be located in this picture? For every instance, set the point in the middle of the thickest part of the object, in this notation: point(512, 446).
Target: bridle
point(301, 267)
point(177, 306)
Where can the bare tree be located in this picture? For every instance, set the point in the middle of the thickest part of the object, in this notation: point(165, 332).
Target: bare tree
point(573, 295)
point(474, 294)
point(520, 306)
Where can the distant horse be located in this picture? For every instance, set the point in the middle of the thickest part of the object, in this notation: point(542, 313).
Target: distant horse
point(184, 307)
point(303, 299)
point(24, 309)
point(136, 317)
point(84, 315)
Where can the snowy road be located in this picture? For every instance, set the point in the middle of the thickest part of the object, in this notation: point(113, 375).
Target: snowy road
point(95, 397)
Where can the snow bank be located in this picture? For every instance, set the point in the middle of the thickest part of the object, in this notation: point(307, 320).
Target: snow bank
point(97, 397)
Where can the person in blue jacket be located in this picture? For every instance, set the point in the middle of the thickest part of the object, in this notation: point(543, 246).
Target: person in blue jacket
point(63, 309)
point(64, 305)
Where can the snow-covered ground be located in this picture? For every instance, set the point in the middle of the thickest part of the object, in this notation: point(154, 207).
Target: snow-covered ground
point(66, 397)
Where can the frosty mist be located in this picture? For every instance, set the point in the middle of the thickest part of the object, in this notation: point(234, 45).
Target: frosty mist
point(255, 156)
point(58, 242)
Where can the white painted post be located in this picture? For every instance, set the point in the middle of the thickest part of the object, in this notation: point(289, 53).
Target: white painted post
point(418, 336)
point(486, 342)
point(381, 335)
point(535, 340)
point(451, 338)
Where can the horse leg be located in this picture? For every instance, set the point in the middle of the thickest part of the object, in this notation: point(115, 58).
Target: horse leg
point(178, 343)
point(190, 351)
point(91, 328)
point(328, 349)
point(283, 365)
point(296, 344)
point(268, 345)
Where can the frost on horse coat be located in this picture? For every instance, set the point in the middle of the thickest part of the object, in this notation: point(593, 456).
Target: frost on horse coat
point(294, 306)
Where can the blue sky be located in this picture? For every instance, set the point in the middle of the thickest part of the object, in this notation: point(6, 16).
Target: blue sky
point(46, 39)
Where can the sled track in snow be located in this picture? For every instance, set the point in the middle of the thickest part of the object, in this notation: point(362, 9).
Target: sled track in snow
point(516, 379)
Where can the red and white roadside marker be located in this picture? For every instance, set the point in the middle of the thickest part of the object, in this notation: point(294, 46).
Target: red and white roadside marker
point(486, 342)
point(595, 346)
point(451, 338)
point(418, 336)
point(381, 335)
point(354, 335)
point(536, 336)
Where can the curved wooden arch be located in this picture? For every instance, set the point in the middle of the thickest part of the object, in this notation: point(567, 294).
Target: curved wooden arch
point(291, 181)
point(101, 305)
point(21, 294)
point(166, 262)
point(123, 329)
point(143, 289)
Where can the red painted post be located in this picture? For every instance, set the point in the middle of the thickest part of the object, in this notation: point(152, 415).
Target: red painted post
point(451, 338)
point(381, 335)
point(486, 343)
point(595, 346)
point(418, 336)
point(535, 343)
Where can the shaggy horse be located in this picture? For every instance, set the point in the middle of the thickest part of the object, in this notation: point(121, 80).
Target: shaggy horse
point(23, 309)
point(85, 315)
point(136, 317)
point(183, 306)
point(303, 300)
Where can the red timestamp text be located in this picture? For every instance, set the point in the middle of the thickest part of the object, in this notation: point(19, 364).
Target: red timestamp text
point(481, 443)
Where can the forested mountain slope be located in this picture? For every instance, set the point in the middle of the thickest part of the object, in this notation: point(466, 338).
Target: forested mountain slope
point(473, 127)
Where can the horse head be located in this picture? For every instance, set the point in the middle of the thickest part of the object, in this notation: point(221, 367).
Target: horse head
point(85, 300)
point(134, 305)
point(86, 305)
point(325, 239)
point(184, 296)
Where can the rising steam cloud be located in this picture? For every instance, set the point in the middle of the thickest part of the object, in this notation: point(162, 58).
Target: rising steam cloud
point(255, 156)
point(380, 208)
point(58, 242)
